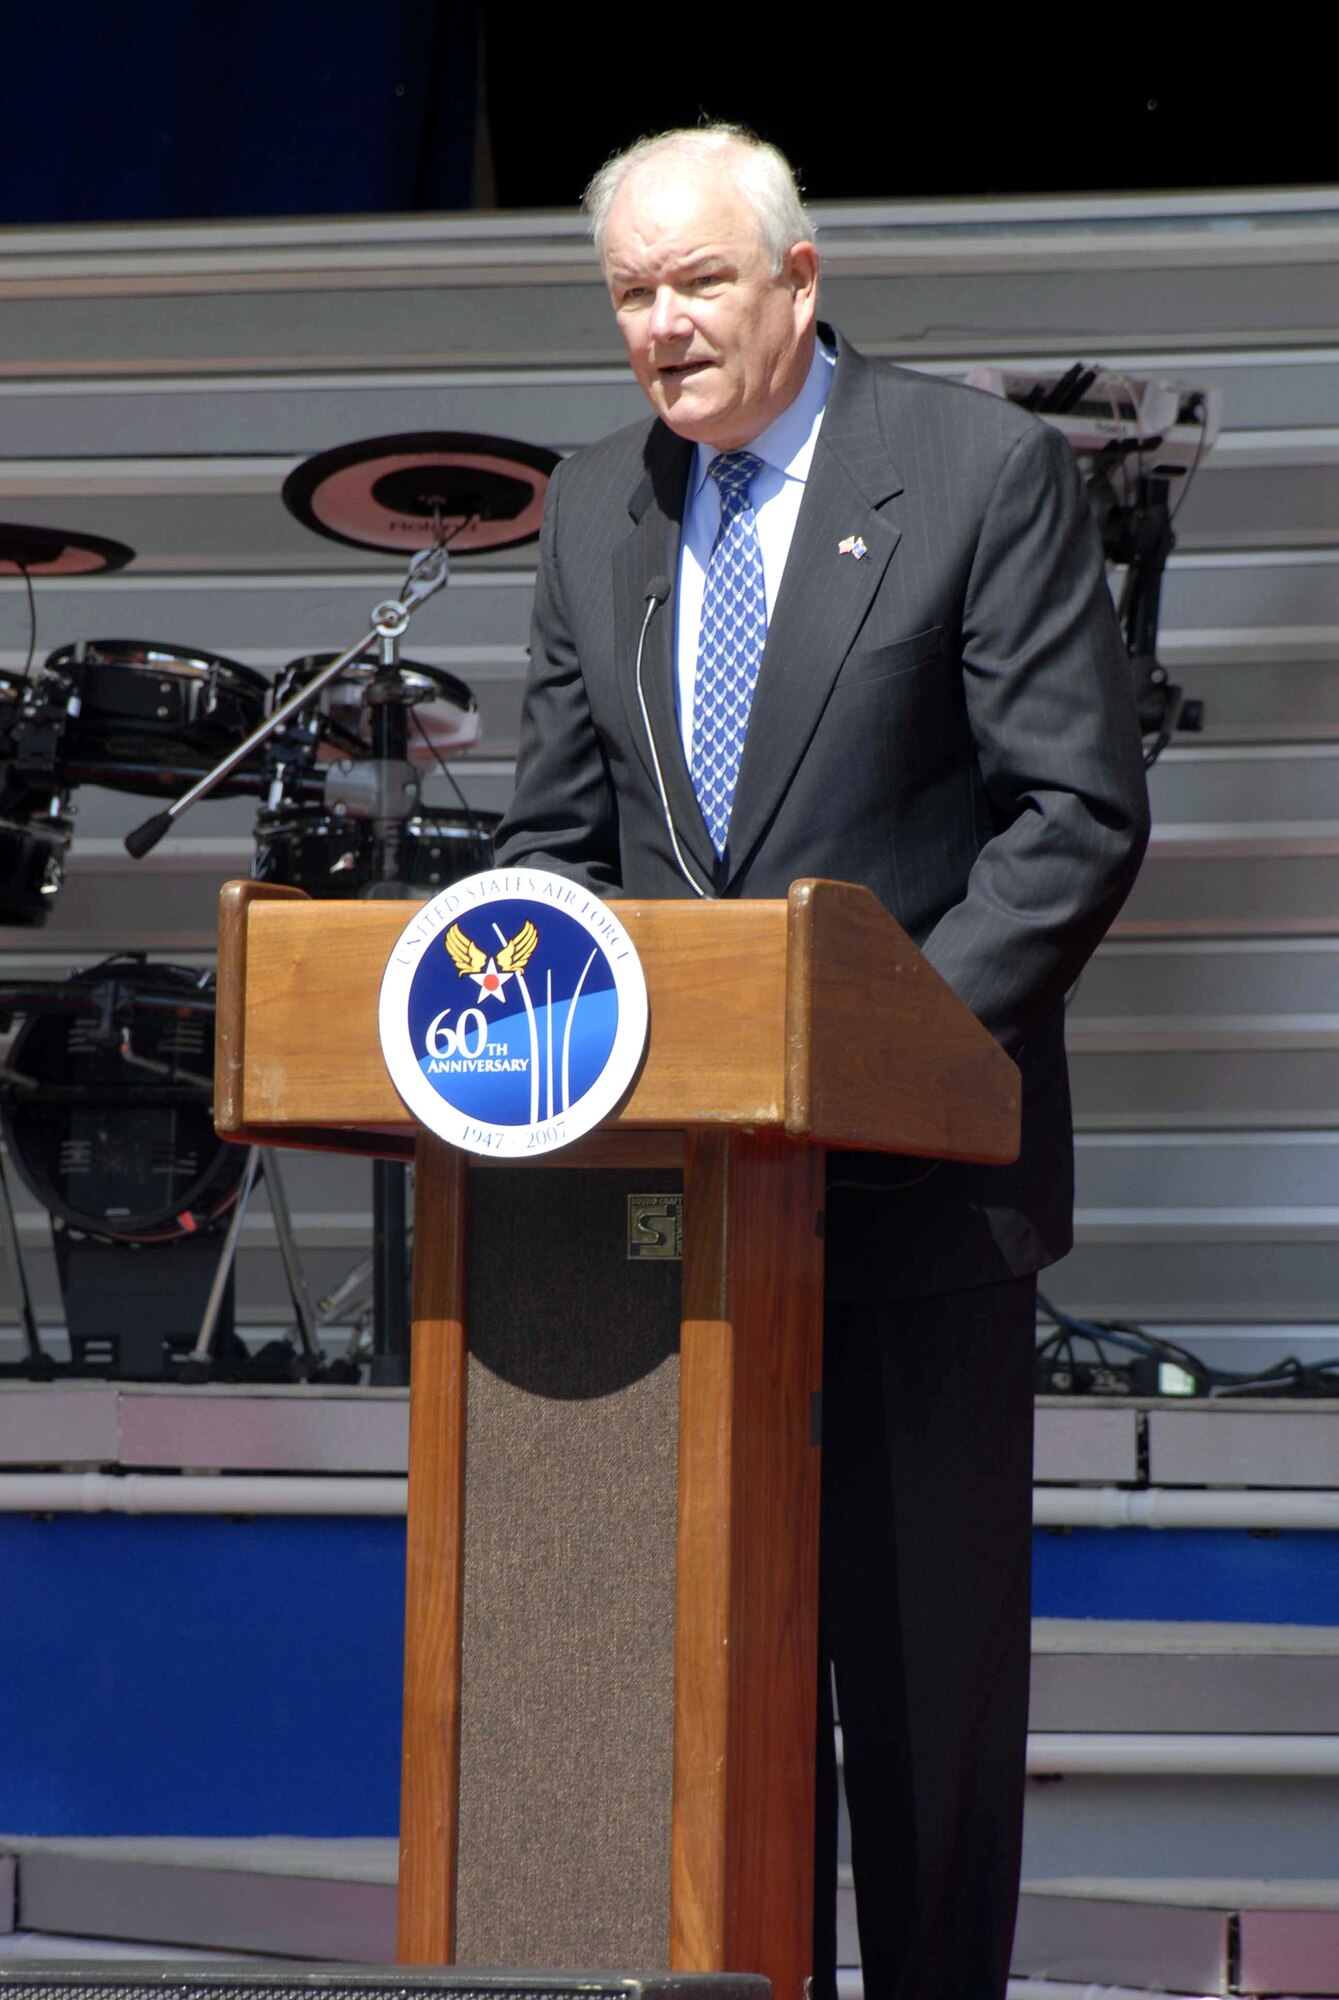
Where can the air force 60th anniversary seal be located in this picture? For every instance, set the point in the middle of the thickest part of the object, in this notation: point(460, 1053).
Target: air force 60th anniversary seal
point(513, 1013)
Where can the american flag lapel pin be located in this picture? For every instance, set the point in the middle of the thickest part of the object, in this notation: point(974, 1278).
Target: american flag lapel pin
point(852, 545)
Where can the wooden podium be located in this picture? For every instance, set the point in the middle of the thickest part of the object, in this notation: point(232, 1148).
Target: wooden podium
point(610, 1676)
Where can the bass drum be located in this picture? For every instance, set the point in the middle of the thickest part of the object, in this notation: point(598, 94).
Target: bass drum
point(305, 847)
point(116, 1149)
point(151, 715)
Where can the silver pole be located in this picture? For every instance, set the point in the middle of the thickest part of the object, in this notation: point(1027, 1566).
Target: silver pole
point(204, 1340)
point(288, 1251)
point(9, 1245)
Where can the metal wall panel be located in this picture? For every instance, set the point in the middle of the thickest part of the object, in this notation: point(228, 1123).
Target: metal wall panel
point(289, 611)
point(1227, 1829)
point(1242, 1274)
point(1222, 1446)
point(1250, 696)
point(1085, 1445)
point(1103, 1675)
point(156, 385)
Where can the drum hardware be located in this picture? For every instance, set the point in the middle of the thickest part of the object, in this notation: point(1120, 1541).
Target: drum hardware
point(425, 493)
point(382, 788)
point(434, 827)
point(32, 865)
point(1136, 439)
point(35, 817)
point(140, 716)
point(199, 1363)
point(427, 573)
point(388, 1365)
point(442, 708)
point(422, 490)
point(105, 1104)
point(395, 790)
point(37, 1363)
point(350, 1292)
point(331, 848)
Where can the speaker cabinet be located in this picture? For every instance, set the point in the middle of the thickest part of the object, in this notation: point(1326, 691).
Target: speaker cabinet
point(124, 1980)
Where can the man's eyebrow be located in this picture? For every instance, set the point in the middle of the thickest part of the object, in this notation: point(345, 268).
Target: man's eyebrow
point(694, 261)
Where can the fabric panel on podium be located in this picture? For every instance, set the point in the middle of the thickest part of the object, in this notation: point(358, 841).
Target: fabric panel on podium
point(568, 1647)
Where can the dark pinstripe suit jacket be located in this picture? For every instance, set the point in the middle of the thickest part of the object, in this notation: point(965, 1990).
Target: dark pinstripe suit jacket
point(947, 720)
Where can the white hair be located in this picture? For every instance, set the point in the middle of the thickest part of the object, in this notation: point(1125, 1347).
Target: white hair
point(763, 175)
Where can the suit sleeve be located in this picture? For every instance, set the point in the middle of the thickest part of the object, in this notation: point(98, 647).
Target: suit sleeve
point(1051, 708)
point(563, 815)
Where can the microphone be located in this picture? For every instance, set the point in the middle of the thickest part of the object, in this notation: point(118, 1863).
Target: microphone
point(657, 591)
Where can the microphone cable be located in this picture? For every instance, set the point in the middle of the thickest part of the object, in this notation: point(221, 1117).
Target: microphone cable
point(656, 593)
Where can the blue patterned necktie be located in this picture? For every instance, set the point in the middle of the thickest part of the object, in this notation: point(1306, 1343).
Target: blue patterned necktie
point(729, 646)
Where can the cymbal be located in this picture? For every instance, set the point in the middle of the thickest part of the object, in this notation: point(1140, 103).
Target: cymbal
point(54, 552)
point(391, 492)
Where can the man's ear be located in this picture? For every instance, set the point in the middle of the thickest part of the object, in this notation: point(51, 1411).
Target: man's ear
point(801, 271)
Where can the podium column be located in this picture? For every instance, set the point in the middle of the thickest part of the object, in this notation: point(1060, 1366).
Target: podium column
point(739, 1672)
point(741, 1896)
point(434, 1568)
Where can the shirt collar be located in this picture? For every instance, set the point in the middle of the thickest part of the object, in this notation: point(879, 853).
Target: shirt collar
point(788, 442)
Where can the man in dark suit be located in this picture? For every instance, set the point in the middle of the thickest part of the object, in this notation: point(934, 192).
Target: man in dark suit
point(818, 617)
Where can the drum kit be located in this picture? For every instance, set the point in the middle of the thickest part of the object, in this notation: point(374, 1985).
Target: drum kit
point(335, 752)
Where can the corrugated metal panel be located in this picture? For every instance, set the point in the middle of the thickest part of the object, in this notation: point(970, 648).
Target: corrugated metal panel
point(156, 386)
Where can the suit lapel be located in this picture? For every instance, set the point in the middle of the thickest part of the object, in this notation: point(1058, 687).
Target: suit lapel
point(824, 595)
point(651, 551)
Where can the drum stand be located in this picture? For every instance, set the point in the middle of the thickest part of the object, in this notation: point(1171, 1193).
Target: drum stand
point(37, 1361)
point(388, 1366)
point(199, 1362)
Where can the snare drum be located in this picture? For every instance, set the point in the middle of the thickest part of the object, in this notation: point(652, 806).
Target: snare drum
point(306, 847)
point(445, 716)
point(149, 714)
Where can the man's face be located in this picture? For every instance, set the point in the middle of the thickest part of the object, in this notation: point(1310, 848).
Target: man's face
point(720, 345)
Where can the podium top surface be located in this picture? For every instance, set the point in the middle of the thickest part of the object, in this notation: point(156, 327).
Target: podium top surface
point(815, 1015)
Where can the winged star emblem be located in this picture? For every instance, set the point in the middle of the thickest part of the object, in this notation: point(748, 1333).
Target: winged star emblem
point(491, 973)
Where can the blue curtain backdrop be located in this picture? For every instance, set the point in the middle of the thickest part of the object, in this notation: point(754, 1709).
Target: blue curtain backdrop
point(163, 110)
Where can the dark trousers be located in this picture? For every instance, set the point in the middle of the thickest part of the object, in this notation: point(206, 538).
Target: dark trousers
point(924, 1626)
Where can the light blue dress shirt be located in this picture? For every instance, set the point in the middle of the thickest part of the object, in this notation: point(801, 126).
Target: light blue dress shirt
point(786, 448)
